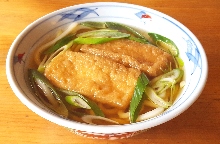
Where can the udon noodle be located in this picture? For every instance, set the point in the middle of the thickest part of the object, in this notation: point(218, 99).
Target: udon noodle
point(106, 73)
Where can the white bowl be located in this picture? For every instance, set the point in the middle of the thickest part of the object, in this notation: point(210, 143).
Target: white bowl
point(191, 51)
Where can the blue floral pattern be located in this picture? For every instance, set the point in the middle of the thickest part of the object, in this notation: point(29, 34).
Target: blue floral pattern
point(78, 14)
point(193, 55)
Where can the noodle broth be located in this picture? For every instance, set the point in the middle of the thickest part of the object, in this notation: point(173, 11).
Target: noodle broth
point(92, 73)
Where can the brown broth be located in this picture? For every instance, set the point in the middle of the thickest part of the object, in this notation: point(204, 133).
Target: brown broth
point(110, 112)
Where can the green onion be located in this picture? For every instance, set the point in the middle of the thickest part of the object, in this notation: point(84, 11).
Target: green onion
point(140, 40)
point(77, 101)
point(151, 94)
point(179, 61)
point(103, 33)
point(49, 95)
point(93, 24)
point(175, 75)
point(124, 28)
point(39, 76)
point(138, 97)
point(60, 43)
point(165, 43)
point(86, 102)
point(166, 81)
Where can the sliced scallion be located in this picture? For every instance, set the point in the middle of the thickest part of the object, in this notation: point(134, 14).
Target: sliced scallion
point(60, 43)
point(151, 94)
point(103, 33)
point(121, 27)
point(138, 97)
point(165, 43)
point(49, 95)
point(77, 101)
point(173, 76)
point(93, 24)
point(140, 40)
point(39, 76)
point(86, 102)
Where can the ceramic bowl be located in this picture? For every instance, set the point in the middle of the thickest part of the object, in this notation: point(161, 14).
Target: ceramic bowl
point(146, 19)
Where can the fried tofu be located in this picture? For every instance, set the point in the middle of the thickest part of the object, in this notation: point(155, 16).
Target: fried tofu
point(145, 57)
point(95, 77)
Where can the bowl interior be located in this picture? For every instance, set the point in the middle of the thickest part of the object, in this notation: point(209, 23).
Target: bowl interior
point(139, 17)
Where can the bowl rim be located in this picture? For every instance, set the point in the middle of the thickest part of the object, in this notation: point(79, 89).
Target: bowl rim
point(100, 128)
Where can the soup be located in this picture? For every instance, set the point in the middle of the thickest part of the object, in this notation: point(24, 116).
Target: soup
point(107, 73)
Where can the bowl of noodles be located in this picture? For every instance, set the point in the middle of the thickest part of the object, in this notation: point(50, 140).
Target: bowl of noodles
point(107, 70)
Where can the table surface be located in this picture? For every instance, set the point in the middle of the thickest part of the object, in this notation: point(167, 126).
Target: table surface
point(199, 124)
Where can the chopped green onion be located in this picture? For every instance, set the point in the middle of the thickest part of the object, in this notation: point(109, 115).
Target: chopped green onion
point(165, 43)
point(167, 80)
point(151, 94)
point(40, 50)
point(138, 98)
point(77, 101)
point(140, 40)
point(124, 28)
point(39, 81)
point(39, 76)
point(60, 43)
point(175, 74)
point(103, 33)
point(47, 92)
point(88, 102)
point(179, 61)
point(93, 24)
